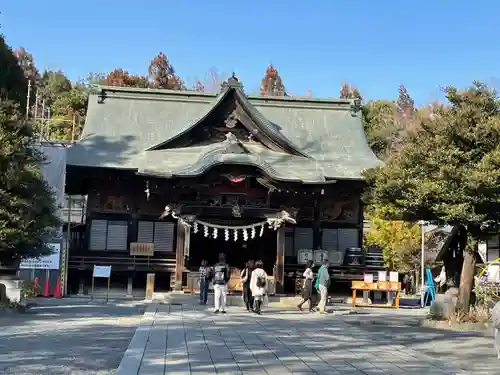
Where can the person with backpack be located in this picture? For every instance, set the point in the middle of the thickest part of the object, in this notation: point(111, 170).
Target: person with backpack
point(221, 277)
point(246, 276)
point(322, 284)
point(205, 276)
point(258, 283)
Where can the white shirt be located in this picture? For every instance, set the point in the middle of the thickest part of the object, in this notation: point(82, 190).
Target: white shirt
point(308, 274)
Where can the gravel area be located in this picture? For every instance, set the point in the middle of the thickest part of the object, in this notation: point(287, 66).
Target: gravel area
point(67, 338)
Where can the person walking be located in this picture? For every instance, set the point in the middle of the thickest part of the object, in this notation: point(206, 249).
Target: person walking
point(258, 283)
point(221, 276)
point(205, 276)
point(322, 284)
point(307, 288)
point(246, 276)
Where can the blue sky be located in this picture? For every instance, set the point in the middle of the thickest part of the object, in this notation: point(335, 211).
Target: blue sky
point(316, 45)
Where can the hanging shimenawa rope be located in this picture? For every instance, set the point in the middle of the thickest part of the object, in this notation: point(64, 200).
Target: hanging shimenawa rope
point(240, 227)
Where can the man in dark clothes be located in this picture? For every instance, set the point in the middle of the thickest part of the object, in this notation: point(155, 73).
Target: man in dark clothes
point(220, 279)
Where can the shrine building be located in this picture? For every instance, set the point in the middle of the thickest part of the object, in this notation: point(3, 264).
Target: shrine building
point(176, 177)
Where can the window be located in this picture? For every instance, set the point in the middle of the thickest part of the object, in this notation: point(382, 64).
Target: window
point(109, 235)
point(161, 233)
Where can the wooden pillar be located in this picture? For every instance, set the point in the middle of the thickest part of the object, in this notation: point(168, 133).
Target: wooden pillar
point(279, 269)
point(179, 255)
point(316, 224)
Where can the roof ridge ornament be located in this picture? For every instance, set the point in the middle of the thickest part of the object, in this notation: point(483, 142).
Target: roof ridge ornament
point(232, 82)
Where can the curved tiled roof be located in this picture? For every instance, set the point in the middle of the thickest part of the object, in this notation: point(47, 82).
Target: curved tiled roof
point(123, 123)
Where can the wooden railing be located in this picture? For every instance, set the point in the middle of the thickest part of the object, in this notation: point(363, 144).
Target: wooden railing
point(139, 263)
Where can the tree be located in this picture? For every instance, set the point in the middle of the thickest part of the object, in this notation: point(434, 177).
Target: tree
point(405, 104)
point(212, 82)
point(70, 103)
point(53, 84)
point(272, 84)
point(27, 64)
point(448, 172)
point(381, 126)
point(27, 205)
point(198, 86)
point(400, 241)
point(122, 78)
point(349, 92)
point(13, 84)
point(162, 74)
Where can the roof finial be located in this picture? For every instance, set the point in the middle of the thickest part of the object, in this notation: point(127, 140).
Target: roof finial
point(232, 82)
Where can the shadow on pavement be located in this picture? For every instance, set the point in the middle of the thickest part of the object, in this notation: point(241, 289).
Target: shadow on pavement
point(63, 338)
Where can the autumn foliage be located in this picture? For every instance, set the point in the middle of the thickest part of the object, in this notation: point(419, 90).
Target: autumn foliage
point(272, 84)
point(122, 78)
point(162, 74)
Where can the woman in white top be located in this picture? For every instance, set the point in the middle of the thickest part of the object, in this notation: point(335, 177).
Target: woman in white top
point(308, 286)
point(258, 283)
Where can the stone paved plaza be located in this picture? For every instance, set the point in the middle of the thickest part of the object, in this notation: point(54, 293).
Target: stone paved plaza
point(67, 337)
point(176, 339)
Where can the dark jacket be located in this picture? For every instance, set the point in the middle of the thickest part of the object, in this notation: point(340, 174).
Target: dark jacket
point(221, 274)
point(249, 276)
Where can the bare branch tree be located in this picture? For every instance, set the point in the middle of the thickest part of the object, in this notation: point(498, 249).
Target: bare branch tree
point(212, 81)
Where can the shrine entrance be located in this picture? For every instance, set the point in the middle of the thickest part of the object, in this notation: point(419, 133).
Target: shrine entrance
point(238, 251)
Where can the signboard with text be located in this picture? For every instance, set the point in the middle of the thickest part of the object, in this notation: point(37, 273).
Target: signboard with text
point(48, 262)
point(304, 256)
point(102, 271)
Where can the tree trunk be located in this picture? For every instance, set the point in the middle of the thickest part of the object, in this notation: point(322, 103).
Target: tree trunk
point(467, 276)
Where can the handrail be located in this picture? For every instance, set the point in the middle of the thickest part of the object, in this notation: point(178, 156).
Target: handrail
point(121, 261)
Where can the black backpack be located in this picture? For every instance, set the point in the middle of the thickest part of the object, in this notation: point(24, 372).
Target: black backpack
point(261, 282)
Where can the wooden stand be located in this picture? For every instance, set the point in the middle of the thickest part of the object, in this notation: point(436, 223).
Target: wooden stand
point(380, 286)
point(150, 286)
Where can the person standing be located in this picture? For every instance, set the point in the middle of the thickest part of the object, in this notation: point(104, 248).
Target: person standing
point(205, 275)
point(307, 288)
point(258, 283)
point(322, 284)
point(246, 276)
point(220, 278)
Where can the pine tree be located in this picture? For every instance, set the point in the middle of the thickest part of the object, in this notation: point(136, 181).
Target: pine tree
point(271, 83)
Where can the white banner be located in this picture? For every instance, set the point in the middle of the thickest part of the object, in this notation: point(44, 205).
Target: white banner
point(49, 262)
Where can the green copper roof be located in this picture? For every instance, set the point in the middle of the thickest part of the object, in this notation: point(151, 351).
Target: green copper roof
point(122, 124)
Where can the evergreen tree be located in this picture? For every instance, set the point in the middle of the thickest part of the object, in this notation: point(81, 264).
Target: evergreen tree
point(27, 205)
point(13, 84)
point(448, 172)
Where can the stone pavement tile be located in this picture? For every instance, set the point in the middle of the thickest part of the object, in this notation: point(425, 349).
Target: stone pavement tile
point(278, 343)
point(131, 361)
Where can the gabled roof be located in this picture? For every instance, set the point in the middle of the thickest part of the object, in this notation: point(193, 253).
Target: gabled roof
point(123, 123)
point(269, 130)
